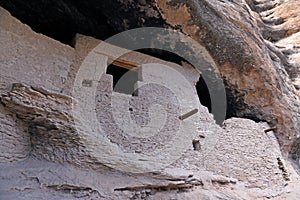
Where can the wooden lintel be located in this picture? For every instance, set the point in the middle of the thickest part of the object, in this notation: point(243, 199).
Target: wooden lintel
point(119, 62)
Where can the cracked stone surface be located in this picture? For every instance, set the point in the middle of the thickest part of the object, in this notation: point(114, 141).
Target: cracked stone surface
point(44, 155)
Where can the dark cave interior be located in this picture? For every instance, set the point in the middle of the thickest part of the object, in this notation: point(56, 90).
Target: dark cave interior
point(61, 19)
point(131, 78)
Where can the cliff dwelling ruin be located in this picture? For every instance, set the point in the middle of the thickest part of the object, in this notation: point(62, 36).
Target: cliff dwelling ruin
point(150, 99)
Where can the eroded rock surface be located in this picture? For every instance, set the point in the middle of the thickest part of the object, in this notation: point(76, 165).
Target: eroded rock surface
point(231, 35)
point(23, 62)
point(45, 155)
point(281, 28)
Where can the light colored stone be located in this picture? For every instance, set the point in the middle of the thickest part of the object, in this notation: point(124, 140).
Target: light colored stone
point(237, 161)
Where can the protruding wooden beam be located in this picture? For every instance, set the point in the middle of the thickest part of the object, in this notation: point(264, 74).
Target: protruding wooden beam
point(182, 117)
point(120, 62)
point(270, 129)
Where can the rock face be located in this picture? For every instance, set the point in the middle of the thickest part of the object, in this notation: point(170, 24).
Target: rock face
point(238, 40)
point(22, 62)
point(282, 29)
point(237, 34)
point(231, 33)
point(51, 146)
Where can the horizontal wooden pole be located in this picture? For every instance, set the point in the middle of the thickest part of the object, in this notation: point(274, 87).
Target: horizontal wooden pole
point(120, 62)
point(182, 117)
point(270, 129)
